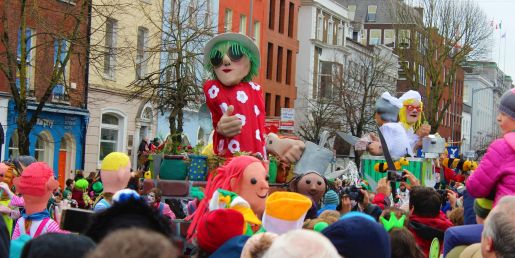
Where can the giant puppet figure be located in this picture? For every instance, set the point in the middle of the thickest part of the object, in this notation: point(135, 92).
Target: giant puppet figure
point(115, 175)
point(235, 102)
point(410, 116)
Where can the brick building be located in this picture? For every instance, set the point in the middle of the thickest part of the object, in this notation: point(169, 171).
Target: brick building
point(58, 136)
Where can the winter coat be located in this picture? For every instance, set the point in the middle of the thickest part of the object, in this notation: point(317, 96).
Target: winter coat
point(495, 175)
point(426, 229)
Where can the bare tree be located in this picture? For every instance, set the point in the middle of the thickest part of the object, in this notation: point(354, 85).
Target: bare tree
point(66, 26)
point(178, 83)
point(447, 33)
point(323, 114)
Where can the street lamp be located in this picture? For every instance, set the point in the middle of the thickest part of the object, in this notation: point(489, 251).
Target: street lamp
point(474, 91)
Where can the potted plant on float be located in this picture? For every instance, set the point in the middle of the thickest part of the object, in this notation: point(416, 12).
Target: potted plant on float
point(198, 164)
point(174, 165)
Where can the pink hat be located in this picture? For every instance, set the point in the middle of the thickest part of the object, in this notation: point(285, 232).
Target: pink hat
point(34, 179)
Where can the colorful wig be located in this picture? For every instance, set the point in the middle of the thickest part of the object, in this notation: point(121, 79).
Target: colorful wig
point(221, 179)
point(403, 113)
point(221, 48)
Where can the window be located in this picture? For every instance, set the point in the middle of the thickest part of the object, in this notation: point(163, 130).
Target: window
point(29, 59)
point(339, 35)
point(271, 15)
point(110, 135)
point(13, 146)
point(352, 11)
point(282, 13)
point(375, 37)
point(174, 10)
point(389, 38)
point(269, 60)
point(44, 148)
point(277, 105)
point(243, 24)
point(207, 18)
point(404, 38)
point(325, 79)
point(110, 47)
point(268, 98)
point(61, 47)
point(228, 20)
point(320, 27)
point(364, 37)
point(192, 12)
point(422, 74)
point(291, 17)
point(371, 15)
point(286, 102)
point(257, 33)
point(288, 66)
point(279, 71)
point(142, 56)
point(330, 32)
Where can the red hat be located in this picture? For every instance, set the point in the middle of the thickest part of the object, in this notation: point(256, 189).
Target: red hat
point(34, 179)
point(218, 226)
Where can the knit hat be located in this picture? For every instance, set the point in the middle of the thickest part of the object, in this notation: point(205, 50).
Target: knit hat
point(82, 184)
point(507, 105)
point(331, 197)
point(97, 187)
point(66, 192)
point(218, 226)
point(124, 195)
point(58, 246)
point(34, 179)
point(482, 207)
point(231, 248)
point(285, 211)
point(359, 237)
point(388, 107)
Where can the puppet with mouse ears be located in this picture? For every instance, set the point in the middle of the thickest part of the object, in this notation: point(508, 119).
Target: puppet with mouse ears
point(235, 102)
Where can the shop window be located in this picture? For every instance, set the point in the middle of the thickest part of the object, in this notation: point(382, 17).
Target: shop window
point(13, 146)
point(111, 131)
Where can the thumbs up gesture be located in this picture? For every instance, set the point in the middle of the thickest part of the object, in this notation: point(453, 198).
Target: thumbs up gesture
point(229, 125)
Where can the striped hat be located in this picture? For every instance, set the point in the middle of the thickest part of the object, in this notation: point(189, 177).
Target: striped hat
point(331, 197)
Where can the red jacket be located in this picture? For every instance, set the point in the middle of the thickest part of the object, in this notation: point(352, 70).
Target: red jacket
point(427, 228)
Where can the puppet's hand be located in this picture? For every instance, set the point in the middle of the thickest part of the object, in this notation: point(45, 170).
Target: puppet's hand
point(229, 125)
point(375, 148)
point(424, 130)
point(288, 150)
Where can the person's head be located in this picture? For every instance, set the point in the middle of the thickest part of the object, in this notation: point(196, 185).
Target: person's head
point(58, 246)
point(506, 117)
point(70, 183)
point(424, 201)
point(404, 244)
point(301, 244)
point(232, 58)
point(387, 109)
point(36, 184)
point(134, 243)
point(410, 113)
point(82, 184)
point(498, 238)
point(67, 194)
point(154, 195)
point(331, 198)
point(115, 171)
point(258, 244)
point(21, 162)
point(482, 207)
point(456, 216)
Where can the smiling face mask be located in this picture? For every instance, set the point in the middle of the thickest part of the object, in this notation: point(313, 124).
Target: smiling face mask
point(253, 187)
point(232, 63)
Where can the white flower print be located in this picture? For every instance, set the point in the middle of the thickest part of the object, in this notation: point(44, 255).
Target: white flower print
point(242, 118)
point(221, 145)
point(213, 91)
point(258, 135)
point(224, 107)
point(241, 96)
point(234, 146)
point(256, 110)
point(255, 86)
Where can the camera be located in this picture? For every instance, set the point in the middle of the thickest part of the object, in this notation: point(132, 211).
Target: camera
point(353, 192)
point(396, 176)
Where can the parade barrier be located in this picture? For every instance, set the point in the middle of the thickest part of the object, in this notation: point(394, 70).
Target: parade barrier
point(421, 168)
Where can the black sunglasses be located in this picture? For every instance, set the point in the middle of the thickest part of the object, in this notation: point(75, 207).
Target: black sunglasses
point(232, 53)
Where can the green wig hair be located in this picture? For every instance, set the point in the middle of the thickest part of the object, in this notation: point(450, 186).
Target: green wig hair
point(82, 184)
point(221, 48)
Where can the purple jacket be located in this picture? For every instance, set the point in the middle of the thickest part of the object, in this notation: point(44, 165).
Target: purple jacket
point(496, 171)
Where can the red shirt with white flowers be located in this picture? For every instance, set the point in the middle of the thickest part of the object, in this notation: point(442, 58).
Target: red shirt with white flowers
point(247, 99)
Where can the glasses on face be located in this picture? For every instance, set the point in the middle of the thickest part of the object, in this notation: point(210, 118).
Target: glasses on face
point(413, 108)
point(232, 53)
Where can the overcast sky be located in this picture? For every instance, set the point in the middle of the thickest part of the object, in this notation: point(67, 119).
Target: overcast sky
point(502, 10)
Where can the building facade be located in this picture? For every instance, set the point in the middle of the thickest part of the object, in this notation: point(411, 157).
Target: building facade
point(52, 29)
point(121, 42)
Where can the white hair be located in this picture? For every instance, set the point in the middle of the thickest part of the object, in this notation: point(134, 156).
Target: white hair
point(500, 226)
point(302, 244)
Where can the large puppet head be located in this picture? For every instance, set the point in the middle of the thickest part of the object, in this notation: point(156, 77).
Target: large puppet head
point(310, 184)
point(232, 57)
point(410, 114)
point(246, 176)
point(387, 108)
point(115, 173)
point(36, 184)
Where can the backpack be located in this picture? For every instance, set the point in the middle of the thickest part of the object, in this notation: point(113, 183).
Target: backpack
point(18, 243)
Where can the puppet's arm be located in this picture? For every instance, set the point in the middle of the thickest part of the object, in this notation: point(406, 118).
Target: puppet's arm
point(229, 125)
point(288, 150)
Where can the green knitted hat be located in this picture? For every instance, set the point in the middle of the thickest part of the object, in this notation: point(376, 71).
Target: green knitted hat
point(482, 207)
point(97, 187)
point(82, 184)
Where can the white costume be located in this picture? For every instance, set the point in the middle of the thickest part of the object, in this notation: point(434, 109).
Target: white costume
point(396, 139)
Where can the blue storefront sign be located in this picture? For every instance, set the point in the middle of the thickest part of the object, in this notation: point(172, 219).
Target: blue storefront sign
point(58, 137)
point(453, 152)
